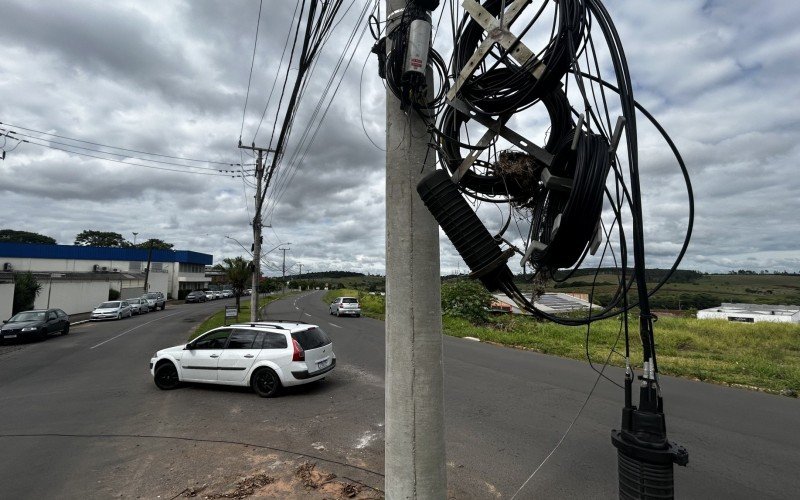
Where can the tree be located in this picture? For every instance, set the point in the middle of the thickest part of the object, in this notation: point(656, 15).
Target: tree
point(157, 244)
point(237, 274)
point(12, 236)
point(90, 238)
point(26, 289)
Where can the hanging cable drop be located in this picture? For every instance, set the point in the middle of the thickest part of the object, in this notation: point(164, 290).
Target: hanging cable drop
point(560, 184)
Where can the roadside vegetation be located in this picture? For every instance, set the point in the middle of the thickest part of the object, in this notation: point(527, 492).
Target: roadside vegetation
point(218, 318)
point(764, 356)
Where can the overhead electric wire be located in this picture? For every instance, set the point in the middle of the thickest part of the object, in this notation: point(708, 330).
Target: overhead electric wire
point(161, 162)
point(277, 73)
point(306, 141)
point(252, 63)
point(10, 125)
point(29, 141)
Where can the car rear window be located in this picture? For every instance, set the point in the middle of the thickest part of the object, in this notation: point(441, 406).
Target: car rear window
point(350, 301)
point(272, 340)
point(311, 339)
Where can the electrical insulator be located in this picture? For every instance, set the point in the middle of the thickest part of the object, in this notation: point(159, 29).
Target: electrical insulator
point(419, 43)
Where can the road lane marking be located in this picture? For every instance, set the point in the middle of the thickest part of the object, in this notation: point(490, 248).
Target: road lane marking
point(134, 328)
point(337, 326)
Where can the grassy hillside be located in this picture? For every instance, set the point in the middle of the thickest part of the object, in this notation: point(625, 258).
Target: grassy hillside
point(707, 290)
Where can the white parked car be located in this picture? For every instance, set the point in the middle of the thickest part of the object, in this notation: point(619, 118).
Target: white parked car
point(113, 309)
point(209, 294)
point(227, 294)
point(346, 306)
point(265, 356)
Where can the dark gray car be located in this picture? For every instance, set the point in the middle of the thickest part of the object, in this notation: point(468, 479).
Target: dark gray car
point(35, 324)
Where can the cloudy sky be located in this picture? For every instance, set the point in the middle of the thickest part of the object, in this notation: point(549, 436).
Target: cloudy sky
point(171, 77)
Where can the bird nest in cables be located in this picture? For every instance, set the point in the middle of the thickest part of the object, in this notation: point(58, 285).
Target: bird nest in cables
point(521, 173)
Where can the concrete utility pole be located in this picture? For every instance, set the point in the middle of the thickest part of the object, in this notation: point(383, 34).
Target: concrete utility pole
point(415, 452)
point(283, 282)
point(147, 269)
point(257, 226)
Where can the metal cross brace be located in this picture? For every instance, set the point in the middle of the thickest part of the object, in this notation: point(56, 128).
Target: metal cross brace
point(497, 33)
point(494, 128)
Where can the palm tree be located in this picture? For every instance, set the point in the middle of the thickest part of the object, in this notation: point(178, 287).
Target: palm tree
point(237, 274)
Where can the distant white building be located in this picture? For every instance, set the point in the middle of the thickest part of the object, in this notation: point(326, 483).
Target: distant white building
point(752, 313)
point(550, 303)
point(75, 278)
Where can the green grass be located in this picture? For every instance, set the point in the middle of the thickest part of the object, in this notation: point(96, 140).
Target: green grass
point(761, 355)
point(218, 319)
point(372, 306)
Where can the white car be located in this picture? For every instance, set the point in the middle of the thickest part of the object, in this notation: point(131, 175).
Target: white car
point(266, 356)
point(346, 306)
point(113, 309)
point(209, 294)
point(138, 306)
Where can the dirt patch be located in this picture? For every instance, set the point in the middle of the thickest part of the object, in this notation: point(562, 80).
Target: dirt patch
point(286, 480)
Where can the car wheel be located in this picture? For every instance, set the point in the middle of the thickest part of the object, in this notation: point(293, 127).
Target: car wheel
point(163, 306)
point(119, 315)
point(358, 315)
point(65, 331)
point(265, 383)
point(166, 376)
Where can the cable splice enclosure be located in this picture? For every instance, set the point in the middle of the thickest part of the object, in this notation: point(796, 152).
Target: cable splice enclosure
point(464, 229)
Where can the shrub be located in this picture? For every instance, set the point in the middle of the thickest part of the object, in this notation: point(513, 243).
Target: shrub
point(467, 299)
point(26, 289)
point(113, 294)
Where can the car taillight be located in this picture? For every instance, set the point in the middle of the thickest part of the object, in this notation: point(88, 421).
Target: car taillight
point(299, 354)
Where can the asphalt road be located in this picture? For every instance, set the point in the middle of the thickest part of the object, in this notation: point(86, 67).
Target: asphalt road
point(81, 418)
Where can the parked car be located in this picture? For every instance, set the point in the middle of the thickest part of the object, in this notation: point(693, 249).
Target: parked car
point(209, 294)
point(217, 294)
point(266, 356)
point(138, 306)
point(196, 296)
point(226, 294)
point(113, 309)
point(38, 323)
point(155, 300)
point(345, 306)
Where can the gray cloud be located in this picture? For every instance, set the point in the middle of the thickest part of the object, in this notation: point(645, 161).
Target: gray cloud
point(171, 78)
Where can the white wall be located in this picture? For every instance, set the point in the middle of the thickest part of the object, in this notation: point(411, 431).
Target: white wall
point(6, 300)
point(72, 296)
point(65, 265)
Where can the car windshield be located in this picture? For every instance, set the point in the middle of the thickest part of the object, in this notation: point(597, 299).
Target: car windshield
point(108, 305)
point(152, 295)
point(27, 316)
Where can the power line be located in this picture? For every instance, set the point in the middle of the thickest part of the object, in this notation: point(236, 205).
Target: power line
point(252, 63)
point(115, 147)
point(28, 141)
point(277, 73)
point(124, 155)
